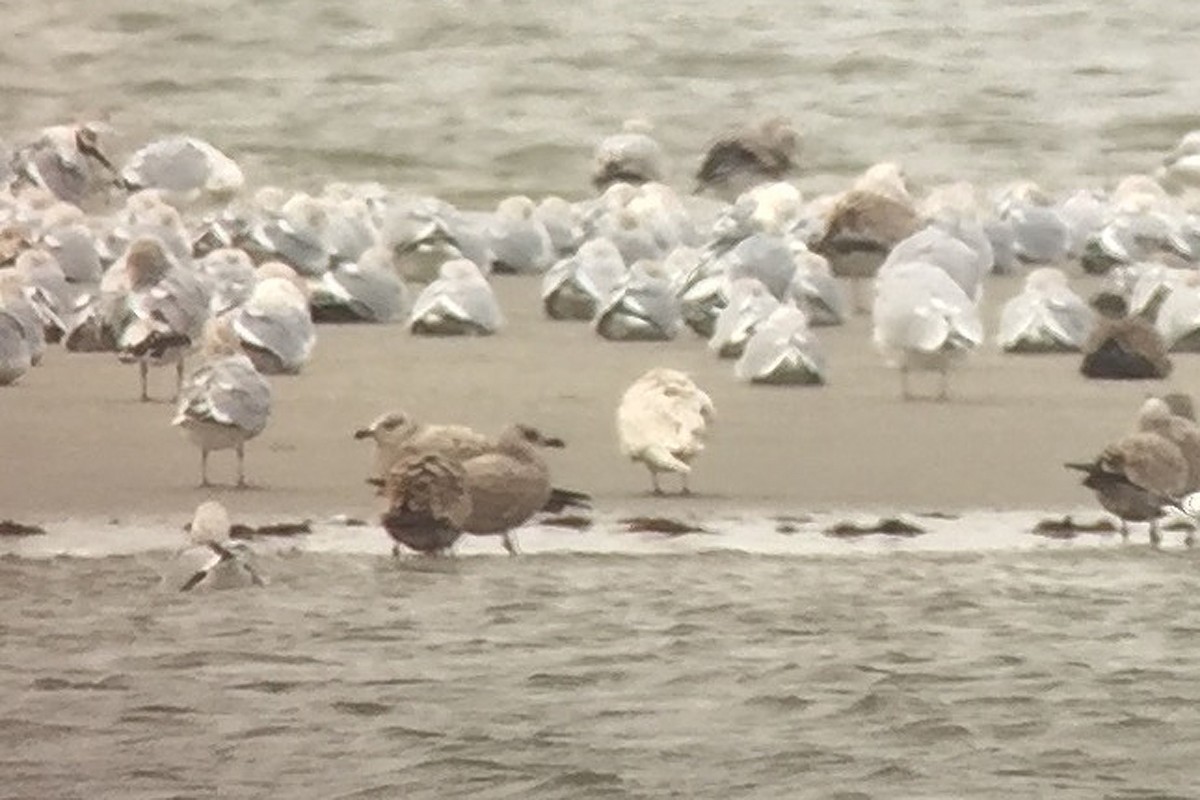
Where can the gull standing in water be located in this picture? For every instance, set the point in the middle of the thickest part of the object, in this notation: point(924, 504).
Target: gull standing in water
point(230, 565)
point(225, 402)
point(428, 502)
point(662, 421)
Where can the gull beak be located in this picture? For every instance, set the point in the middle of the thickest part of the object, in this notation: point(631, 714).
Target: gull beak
point(364, 433)
point(553, 441)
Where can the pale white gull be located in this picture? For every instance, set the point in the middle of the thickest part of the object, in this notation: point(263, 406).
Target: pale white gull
point(662, 422)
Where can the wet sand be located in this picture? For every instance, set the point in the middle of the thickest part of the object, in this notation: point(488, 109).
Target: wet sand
point(76, 441)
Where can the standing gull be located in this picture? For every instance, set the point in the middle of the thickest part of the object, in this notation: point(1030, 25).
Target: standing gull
point(924, 321)
point(662, 421)
point(428, 502)
point(224, 403)
point(230, 565)
point(1141, 473)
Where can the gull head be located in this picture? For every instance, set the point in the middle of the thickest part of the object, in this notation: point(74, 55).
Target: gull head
point(394, 425)
point(210, 524)
point(535, 437)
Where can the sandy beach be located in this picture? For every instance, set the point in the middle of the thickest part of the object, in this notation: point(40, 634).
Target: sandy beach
point(77, 442)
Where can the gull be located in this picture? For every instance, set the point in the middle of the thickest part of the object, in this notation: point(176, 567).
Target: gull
point(863, 224)
point(162, 312)
point(184, 167)
point(230, 276)
point(15, 300)
point(632, 156)
point(225, 402)
point(576, 286)
point(662, 421)
point(1047, 316)
point(1123, 346)
point(274, 324)
point(643, 307)
point(746, 157)
point(367, 290)
point(1141, 473)
point(508, 484)
point(460, 302)
point(15, 359)
point(64, 160)
point(750, 302)
point(230, 566)
point(924, 321)
point(782, 350)
point(518, 240)
point(562, 224)
point(1181, 167)
point(428, 502)
point(1178, 318)
point(397, 435)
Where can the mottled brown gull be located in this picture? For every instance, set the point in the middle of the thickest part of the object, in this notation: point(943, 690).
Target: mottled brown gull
point(1141, 473)
point(428, 502)
point(746, 157)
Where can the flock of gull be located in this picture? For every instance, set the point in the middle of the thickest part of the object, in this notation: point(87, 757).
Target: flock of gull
point(169, 255)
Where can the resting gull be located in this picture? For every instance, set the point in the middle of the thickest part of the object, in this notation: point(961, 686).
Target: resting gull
point(576, 286)
point(460, 302)
point(746, 157)
point(632, 156)
point(274, 324)
point(643, 307)
point(184, 167)
point(1122, 346)
point(1047, 316)
point(15, 359)
point(782, 351)
point(225, 402)
point(662, 421)
point(750, 302)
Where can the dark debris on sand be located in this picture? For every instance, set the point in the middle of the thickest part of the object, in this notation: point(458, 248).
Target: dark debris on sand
point(572, 521)
point(664, 525)
point(11, 528)
point(1067, 528)
point(239, 531)
point(890, 526)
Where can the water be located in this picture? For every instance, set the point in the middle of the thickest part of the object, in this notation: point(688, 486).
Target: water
point(974, 662)
point(474, 100)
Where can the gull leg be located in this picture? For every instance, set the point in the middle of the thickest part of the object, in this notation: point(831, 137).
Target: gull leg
point(144, 369)
point(686, 490)
point(241, 458)
point(204, 468)
point(654, 480)
point(395, 550)
point(510, 545)
point(944, 395)
point(1155, 536)
point(178, 380)
point(1124, 530)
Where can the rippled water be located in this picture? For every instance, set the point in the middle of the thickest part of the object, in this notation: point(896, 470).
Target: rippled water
point(473, 100)
point(975, 661)
point(754, 665)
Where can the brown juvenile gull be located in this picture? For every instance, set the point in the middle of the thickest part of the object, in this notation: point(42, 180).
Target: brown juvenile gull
point(746, 157)
point(865, 223)
point(428, 502)
point(662, 421)
point(1123, 347)
point(1142, 473)
point(508, 484)
point(631, 156)
point(225, 402)
point(397, 435)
